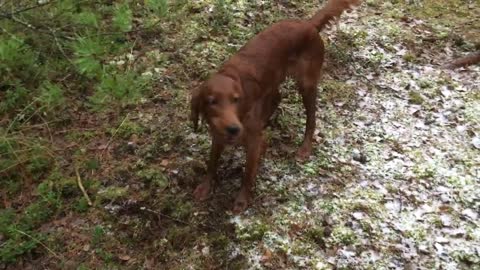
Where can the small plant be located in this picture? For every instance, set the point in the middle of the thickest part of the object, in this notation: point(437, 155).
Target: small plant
point(122, 17)
point(415, 98)
point(124, 88)
point(88, 52)
point(158, 7)
point(153, 177)
point(98, 235)
point(343, 235)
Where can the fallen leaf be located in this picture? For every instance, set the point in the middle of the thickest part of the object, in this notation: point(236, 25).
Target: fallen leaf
point(124, 257)
point(164, 163)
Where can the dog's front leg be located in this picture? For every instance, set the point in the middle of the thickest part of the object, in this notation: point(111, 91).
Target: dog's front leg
point(255, 146)
point(203, 189)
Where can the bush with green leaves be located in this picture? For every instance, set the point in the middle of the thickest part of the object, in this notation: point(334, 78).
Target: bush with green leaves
point(59, 58)
point(56, 50)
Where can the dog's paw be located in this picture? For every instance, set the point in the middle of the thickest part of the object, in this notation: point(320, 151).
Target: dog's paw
point(241, 202)
point(202, 191)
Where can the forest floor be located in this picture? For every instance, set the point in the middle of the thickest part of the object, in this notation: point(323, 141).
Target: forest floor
point(394, 182)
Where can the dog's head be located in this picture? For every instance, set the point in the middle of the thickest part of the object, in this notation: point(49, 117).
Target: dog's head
point(218, 101)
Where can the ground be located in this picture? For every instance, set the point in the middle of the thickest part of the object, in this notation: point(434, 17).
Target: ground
point(393, 182)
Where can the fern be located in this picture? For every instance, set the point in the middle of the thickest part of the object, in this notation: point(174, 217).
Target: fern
point(17, 61)
point(122, 18)
point(159, 7)
point(124, 88)
point(87, 53)
point(87, 18)
point(15, 98)
point(51, 96)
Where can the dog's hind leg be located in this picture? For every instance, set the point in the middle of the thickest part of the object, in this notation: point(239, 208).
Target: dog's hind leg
point(309, 97)
point(307, 74)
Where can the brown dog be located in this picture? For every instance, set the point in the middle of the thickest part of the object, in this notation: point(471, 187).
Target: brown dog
point(239, 99)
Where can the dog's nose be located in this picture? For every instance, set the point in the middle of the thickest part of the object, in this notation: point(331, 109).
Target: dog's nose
point(233, 130)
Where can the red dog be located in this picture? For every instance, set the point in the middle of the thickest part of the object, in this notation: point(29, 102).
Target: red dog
point(239, 99)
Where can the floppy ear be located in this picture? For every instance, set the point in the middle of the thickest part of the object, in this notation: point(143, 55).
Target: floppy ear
point(196, 107)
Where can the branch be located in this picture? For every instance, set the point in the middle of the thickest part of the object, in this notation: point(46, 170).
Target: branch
point(80, 185)
point(9, 15)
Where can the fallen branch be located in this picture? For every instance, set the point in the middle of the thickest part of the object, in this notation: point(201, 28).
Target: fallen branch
point(114, 134)
point(80, 185)
point(9, 15)
point(40, 242)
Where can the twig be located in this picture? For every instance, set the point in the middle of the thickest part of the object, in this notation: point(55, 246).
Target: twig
point(27, 8)
point(60, 48)
point(39, 242)
point(80, 185)
point(47, 126)
point(164, 215)
point(114, 134)
point(19, 115)
point(33, 27)
point(14, 165)
point(143, 208)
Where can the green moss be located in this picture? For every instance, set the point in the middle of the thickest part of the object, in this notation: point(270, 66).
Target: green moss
point(81, 205)
point(127, 129)
point(98, 235)
point(418, 234)
point(423, 171)
point(153, 177)
point(338, 92)
point(253, 232)
point(112, 193)
point(92, 164)
point(343, 235)
point(410, 57)
point(178, 237)
point(415, 98)
point(317, 235)
point(177, 206)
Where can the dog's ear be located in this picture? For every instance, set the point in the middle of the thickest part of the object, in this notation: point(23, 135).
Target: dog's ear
point(196, 107)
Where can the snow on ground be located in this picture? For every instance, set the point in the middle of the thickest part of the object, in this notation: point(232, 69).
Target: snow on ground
point(395, 180)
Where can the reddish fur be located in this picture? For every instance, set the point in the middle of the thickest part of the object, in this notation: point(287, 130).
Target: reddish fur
point(244, 92)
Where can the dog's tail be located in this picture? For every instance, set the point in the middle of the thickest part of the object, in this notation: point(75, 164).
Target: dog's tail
point(332, 10)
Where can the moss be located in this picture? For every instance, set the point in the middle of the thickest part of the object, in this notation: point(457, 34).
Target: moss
point(417, 234)
point(423, 171)
point(92, 164)
point(98, 235)
point(317, 235)
point(410, 57)
point(153, 177)
point(127, 129)
point(415, 98)
point(178, 237)
point(253, 232)
point(338, 92)
point(112, 193)
point(35, 214)
point(81, 205)
point(343, 235)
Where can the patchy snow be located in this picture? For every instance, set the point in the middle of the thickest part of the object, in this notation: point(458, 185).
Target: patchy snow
point(412, 201)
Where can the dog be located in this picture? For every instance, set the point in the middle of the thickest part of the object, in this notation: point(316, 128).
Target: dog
point(238, 100)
